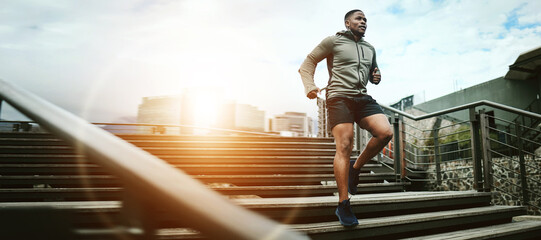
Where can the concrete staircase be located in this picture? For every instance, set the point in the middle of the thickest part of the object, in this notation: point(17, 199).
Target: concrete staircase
point(286, 179)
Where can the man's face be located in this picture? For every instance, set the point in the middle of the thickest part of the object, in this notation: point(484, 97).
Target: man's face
point(356, 23)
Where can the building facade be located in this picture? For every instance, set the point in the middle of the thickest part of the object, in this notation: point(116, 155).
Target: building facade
point(293, 124)
point(244, 117)
point(197, 114)
point(160, 110)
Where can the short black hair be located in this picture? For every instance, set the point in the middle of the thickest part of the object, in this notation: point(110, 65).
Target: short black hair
point(350, 13)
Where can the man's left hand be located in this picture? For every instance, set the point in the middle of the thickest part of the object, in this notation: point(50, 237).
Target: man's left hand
point(376, 76)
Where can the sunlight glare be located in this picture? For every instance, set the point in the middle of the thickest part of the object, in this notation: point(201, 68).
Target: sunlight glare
point(206, 104)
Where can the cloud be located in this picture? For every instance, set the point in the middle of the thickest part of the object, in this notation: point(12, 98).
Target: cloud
point(449, 43)
point(99, 58)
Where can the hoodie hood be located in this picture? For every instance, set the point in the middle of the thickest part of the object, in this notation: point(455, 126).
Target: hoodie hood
point(348, 34)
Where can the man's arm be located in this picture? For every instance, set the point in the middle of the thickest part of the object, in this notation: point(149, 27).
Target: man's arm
point(308, 67)
point(375, 74)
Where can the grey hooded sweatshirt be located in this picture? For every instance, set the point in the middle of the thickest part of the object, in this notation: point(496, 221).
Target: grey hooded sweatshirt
point(350, 65)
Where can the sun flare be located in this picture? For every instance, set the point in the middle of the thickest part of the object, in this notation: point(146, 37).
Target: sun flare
point(205, 110)
point(205, 104)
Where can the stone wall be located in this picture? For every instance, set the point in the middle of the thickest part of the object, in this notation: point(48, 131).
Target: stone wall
point(458, 176)
point(451, 178)
point(507, 179)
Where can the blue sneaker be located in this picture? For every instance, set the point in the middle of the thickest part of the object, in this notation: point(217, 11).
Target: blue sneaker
point(345, 214)
point(353, 178)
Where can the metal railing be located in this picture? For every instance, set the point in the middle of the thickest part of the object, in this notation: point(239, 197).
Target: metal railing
point(483, 153)
point(474, 154)
point(145, 175)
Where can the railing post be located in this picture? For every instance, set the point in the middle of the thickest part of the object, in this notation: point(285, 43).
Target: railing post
point(524, 184)
point(487, 155)
point(397, 148)
point(437, 157)
point(476, 151)
point(403, 163)
point(358, 138)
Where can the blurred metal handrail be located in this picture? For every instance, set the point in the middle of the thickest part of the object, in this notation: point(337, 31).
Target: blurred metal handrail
point(463, 107)
point(144, 173)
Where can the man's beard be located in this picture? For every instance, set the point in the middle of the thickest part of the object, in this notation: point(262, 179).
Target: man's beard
point(357, 33)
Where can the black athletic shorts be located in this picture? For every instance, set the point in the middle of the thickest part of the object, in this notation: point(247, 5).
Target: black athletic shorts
point(349, 110)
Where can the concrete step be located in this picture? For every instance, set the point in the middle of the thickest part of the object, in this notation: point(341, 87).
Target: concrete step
point(20, 141)
point(51, 169)
point(288, 179)
point(158, 151)
point(234, 151)
point(42, 158)
point(202, 143)
point(193, 169)
point(198, 169)
point(392, 227)
point(412, 224)
point(513, 230)
point(159, 137)
point(238, 180)
point(36, 150)
point(67, 158)
point(231, 144)
point(62, 181)
point(60, 194)
point(175, 137)
point(312, 209)
point(46, 193)
point(175, 159)
point(305, 190)
point(33, 135)
point(304, 209)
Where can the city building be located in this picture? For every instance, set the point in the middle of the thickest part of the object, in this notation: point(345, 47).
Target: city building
point(292, 124)
point(244, 117)
point(198, 112)
point(160, 110)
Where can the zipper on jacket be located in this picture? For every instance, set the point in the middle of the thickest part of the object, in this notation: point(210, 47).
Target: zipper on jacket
point(359, 63)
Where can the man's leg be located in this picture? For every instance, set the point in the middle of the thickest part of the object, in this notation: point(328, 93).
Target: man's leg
point(381, 131)
point(343, 136)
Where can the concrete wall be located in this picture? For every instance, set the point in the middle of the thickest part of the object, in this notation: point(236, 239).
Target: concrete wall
point(513, 93)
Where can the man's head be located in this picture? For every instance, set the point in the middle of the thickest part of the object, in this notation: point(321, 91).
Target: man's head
point(355, 22)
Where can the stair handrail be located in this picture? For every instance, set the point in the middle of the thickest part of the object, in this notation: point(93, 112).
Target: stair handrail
point(481, 151)
point(143, 173)
point(463, 107)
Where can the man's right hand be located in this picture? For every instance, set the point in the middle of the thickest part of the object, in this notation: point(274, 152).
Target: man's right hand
point(313, 94)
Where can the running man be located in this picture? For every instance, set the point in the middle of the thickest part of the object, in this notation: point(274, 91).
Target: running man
point(351, 62)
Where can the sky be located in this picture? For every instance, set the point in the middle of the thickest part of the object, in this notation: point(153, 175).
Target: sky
point(99, 58)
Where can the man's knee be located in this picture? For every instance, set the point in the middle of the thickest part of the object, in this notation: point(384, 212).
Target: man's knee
point(387, 135)
point(344, 145)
